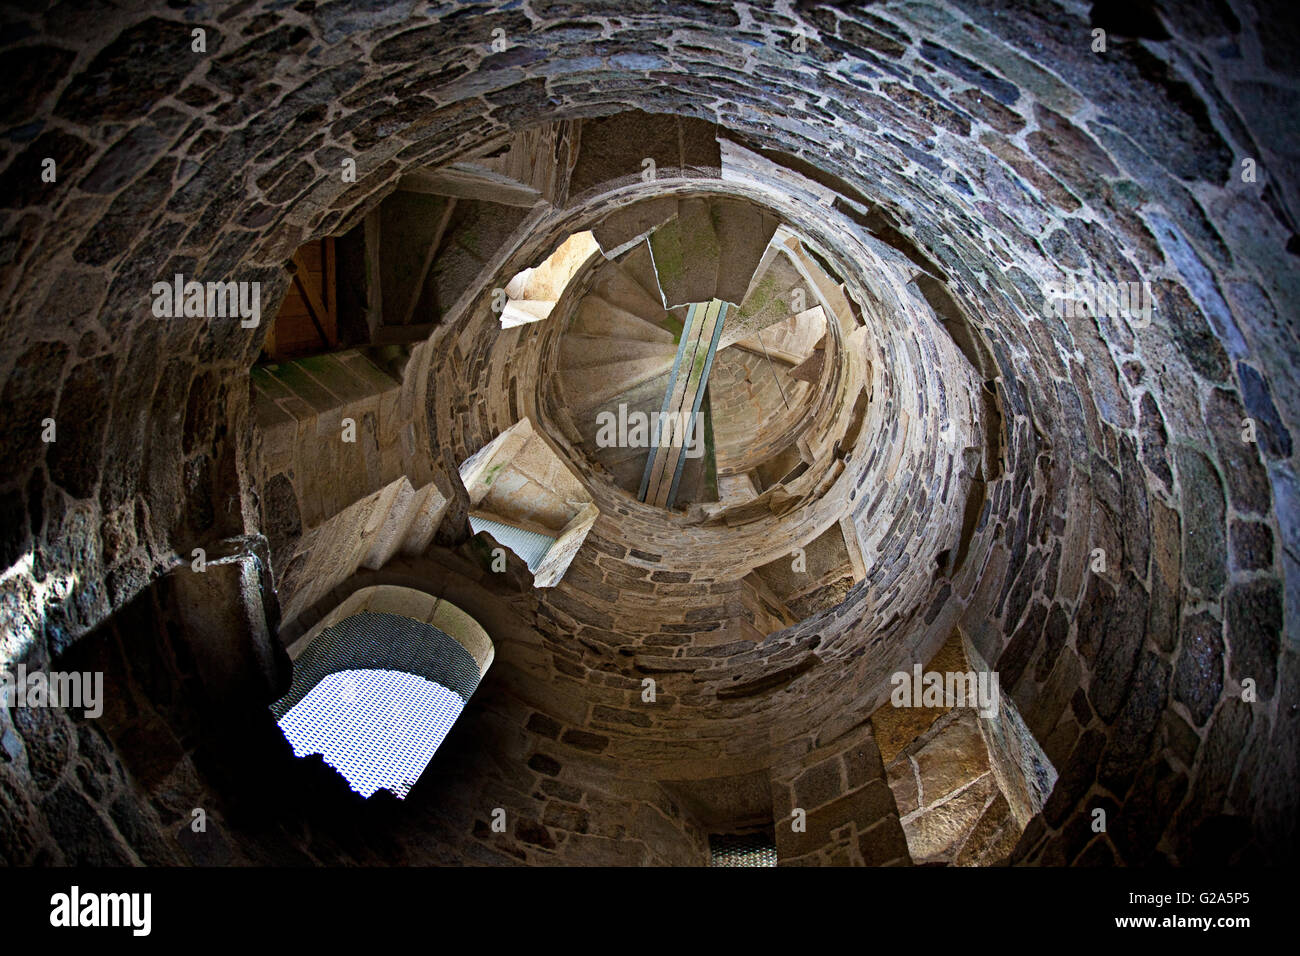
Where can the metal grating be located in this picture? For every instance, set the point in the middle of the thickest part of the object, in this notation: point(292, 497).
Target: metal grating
point(529, 545)
point(376, 641)
point(379, 729)
point(375, 695)
point(742, 849)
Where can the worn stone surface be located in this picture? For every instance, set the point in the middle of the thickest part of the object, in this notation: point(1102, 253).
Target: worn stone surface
point(1001, 444)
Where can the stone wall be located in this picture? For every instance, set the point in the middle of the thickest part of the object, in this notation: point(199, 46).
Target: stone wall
point(951, 161)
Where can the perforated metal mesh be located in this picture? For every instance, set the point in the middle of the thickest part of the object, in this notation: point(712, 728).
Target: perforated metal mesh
point(376, 728)
point(742, 849)
point(529, 545)
point(371, 640)
point(375, 695)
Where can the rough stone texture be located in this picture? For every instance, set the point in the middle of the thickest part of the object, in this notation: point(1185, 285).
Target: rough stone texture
point(1002, 442)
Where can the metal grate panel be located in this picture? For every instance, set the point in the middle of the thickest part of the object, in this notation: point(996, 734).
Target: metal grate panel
point(529, 545)
point(379, 729)
point(742, 849)
point(375, 695)
point(377, 641)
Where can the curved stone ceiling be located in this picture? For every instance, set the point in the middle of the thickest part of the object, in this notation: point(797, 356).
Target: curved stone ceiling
point(958, 164)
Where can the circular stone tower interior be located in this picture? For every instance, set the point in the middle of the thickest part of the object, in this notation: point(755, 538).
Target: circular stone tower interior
point(779, 432)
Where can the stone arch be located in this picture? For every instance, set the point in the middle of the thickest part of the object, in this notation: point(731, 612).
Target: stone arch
point(981, 151)
point(379, 683)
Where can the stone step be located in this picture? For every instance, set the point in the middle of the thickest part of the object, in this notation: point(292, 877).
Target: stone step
point(686, 254)
point(810, 370)
point(644, 399)
point(770, 300)
point(626, 227)
point(827, 289)
point(613, 149)
point(590, 388)
point(596, 351)
point(638, 263)
point(619, 287)
point(422, 523)
point(408, 525)
point(615, 456)
point(790, 342)
point(744, 233)
point(599, 318)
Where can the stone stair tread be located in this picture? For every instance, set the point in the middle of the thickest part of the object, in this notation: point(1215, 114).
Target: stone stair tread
point(408, 525)
point(594, 351)
point(768, 301)
point(686, 255)
point(744, 233)
point(423, 520)
point(619, 287)
point(626, 465)
point(595, 386)
point(625, 227)
point(524, 311)
point(600, 318)
point(828, 289)
point(639, 452)
point(638, 263)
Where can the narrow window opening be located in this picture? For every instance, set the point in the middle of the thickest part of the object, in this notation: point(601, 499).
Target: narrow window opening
point(531, 546)
point(376, 693)
point(532, 293)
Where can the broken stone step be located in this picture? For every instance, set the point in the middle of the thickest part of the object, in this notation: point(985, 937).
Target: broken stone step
point(686, 252)
point(744, 232)
point(618, 287)
point(524, 311)
point(639, 265)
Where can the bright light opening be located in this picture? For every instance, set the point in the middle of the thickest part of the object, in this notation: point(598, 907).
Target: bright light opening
point(378, 728)
point(532, 294)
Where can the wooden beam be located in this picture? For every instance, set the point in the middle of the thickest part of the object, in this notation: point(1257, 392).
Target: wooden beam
point(435, 243)
point(329, 283)
point(374, 288)
point(470, 181)
point(315, 307)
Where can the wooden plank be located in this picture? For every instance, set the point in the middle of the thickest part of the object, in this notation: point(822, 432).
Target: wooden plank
point(684, 400)
point(658, 453)
point(696, 383)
